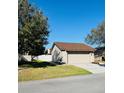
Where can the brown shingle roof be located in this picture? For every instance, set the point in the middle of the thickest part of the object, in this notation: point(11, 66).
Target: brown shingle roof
point(73, 46)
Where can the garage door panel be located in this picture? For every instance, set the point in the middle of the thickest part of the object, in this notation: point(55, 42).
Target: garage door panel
point(78, 58)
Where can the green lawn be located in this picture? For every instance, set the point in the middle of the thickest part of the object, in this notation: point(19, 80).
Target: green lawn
point(50, 72)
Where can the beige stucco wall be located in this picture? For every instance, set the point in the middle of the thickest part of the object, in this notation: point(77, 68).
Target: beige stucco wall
point(58, 54)
point(55, 53)
point(64, 54)
point(92, 57)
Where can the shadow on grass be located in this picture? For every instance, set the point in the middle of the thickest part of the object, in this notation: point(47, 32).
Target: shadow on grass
point(27, 64)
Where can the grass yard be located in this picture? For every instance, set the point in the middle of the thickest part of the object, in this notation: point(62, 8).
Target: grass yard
point(50, 72)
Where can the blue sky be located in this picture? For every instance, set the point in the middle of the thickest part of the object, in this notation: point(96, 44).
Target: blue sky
point(71, 20)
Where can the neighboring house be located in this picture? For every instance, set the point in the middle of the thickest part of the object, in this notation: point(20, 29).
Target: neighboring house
point(71, 53)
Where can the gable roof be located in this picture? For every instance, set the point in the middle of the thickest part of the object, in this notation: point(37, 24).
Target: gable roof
point(64, 46)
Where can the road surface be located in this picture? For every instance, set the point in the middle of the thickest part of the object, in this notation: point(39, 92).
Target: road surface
point(94, 83)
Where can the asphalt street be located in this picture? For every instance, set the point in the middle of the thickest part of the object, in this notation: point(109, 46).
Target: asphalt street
point(94, 83)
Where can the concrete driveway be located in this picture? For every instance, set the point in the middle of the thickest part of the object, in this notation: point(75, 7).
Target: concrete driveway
point(94, 68)
point(94, 83)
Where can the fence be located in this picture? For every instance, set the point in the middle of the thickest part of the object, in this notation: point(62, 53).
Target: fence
point(41, 57)
point(44, 57)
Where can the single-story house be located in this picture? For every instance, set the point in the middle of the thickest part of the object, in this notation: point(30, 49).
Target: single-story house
point(71, 53)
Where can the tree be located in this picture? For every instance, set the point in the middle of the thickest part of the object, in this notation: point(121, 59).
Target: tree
point(32, 29)
point(97, 36)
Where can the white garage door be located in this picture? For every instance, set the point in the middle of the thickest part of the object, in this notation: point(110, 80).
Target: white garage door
point(78, 58)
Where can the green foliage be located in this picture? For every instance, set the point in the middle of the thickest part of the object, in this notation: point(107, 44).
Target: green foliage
point(32, 29)
point(97, 36)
